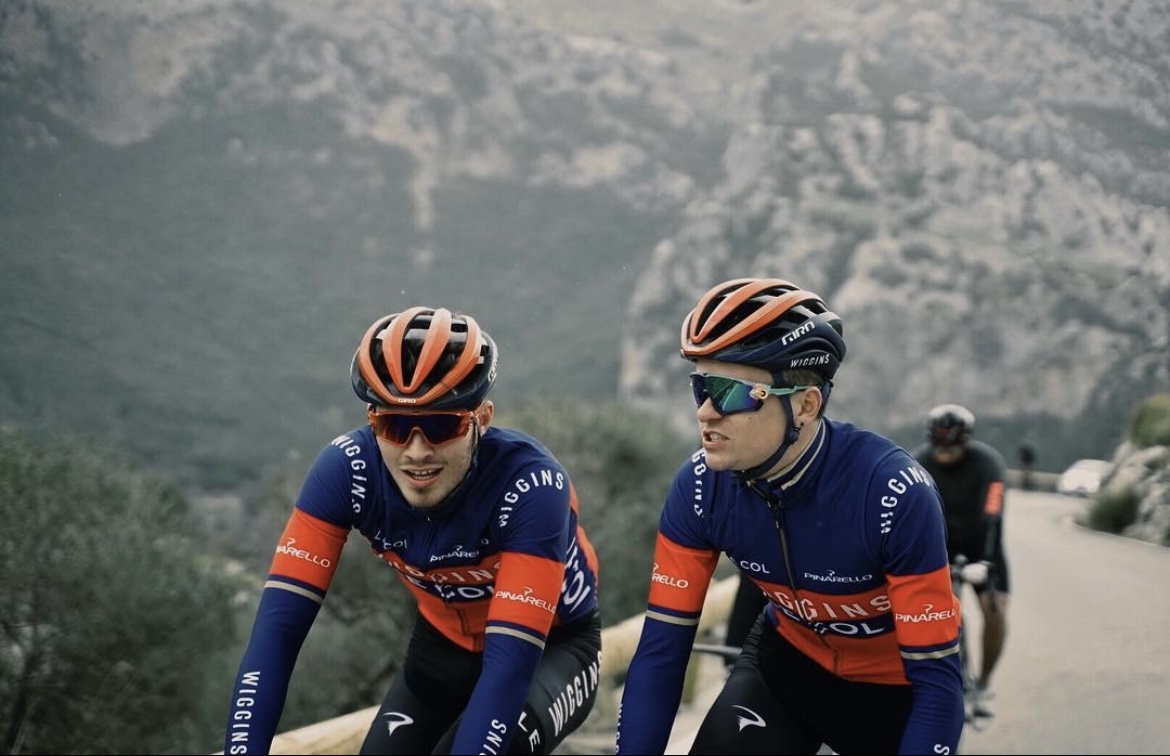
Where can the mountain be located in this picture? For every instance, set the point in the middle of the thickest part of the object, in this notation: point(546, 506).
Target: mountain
point(979, 189)
point(205, 202)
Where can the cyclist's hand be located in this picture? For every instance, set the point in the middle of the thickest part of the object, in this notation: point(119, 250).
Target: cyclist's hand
point(975, 573)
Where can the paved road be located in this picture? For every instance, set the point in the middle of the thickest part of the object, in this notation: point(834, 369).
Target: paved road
point(1086, 669)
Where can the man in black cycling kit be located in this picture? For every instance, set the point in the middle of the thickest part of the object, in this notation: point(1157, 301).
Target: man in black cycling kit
point(970, 476)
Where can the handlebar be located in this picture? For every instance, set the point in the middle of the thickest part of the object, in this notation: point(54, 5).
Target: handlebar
point(962, 571)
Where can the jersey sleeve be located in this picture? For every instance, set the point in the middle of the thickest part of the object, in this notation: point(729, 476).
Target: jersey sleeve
point(994, 493)
point(535, 540)
point(926, 612)
point(302, 567)
point(684, 562)
point(303, 564)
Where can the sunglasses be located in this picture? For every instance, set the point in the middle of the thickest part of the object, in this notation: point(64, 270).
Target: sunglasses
point(732, 395)
point(437, 428)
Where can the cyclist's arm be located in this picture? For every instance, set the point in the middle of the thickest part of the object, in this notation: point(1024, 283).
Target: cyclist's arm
point(654, 682)
point(302, 568)
point(679, 580)
point(926, 620)
point(518, 623)
point(526, 593)
point(992, 509)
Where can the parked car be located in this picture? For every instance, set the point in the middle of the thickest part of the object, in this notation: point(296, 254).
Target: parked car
point(1083, 477)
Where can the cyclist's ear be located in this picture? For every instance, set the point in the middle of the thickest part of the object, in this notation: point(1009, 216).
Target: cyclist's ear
point(807, 406)
point(484, 414)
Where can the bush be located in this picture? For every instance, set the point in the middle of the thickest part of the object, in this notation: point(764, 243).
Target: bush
point(1113, 509)
point(621, 463)
point(1151, 422)
point(114, 623)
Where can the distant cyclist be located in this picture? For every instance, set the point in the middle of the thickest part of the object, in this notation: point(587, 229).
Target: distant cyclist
point(857, 647)
point(479, 523)
point(970, 475)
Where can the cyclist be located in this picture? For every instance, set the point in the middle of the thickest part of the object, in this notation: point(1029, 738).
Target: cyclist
point(857, 647)
point(970, 475)
point(1027, 454)
point(479, 522)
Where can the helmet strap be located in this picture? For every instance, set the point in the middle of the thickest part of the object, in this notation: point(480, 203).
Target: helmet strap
point(790, 437)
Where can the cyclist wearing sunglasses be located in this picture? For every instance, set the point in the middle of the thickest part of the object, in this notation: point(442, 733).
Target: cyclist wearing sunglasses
point(971, 478)
point(479, 522)
point(840, 529)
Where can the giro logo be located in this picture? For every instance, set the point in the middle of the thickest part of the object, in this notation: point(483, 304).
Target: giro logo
point(748, 718)
point(796, 333)
point(396, 719)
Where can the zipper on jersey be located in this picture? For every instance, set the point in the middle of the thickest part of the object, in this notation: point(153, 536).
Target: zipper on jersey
point(777, 508)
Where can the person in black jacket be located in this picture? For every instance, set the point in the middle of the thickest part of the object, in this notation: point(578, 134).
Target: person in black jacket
point(1027, 464)
point(971, 478)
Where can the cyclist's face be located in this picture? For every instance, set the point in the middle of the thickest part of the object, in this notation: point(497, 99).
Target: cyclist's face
point(427, 474)
point(948, 455)
point(745, 439)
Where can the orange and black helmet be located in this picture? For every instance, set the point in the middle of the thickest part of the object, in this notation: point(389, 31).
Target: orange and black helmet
point(424, 358)
point(765, 322)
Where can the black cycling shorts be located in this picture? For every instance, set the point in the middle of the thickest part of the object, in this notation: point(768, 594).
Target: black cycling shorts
point(437, 679)
point(777, 700)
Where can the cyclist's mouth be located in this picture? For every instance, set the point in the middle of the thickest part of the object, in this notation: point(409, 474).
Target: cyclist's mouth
point(423, 478)
point(711, 438)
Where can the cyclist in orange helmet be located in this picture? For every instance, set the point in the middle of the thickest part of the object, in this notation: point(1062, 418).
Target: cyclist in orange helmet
point(839, 528)
point(479, 522)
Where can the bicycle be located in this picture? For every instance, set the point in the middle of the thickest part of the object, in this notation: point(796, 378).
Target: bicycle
point(964, 573)
point(727, 653)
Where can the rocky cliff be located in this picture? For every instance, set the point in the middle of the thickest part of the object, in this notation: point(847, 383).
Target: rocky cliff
point(205, 201)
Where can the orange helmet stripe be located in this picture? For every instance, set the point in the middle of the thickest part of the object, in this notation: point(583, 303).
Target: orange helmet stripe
point(467, 361)
point(753, 288)
point(392, 345)
point(435, 341)
point(366, 365)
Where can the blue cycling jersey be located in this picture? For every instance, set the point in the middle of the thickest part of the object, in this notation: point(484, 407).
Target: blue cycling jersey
point(864, 589)
point(493, 569)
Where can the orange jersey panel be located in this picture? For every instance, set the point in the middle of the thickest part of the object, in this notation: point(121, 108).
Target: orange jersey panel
point(527, 591)
point(309, 550)
point(994, 503)
point(926, 610)
point(681, 576)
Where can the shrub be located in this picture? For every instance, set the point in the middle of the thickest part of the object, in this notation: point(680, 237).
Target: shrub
point(1113, 509)
point(1151, 422)
point(622, 462)
point(115, 622)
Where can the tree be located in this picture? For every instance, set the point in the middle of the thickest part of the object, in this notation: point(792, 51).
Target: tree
point(622, 462)
point(113, 625)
